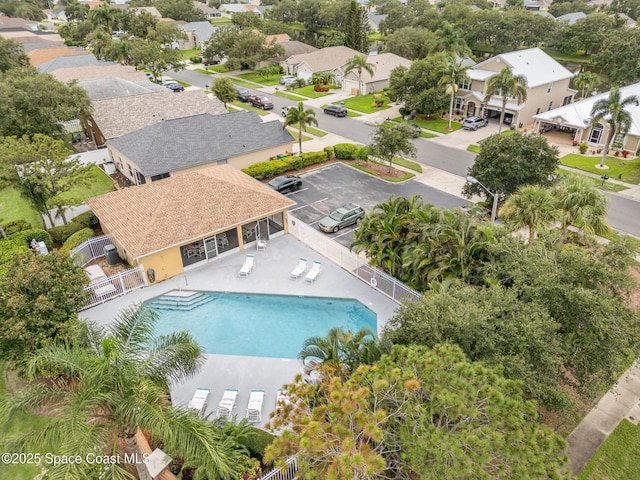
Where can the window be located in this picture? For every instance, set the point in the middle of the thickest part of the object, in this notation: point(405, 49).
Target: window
point(550, 87)
point(130, 170)
point(550, 105)
point(567, 100)
point(160, 177)
point(596, 133)
point(465, 85)
point(221, 162)
point(618, 140)
point(459, 103)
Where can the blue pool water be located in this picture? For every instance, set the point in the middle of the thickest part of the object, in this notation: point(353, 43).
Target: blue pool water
point(261, 325)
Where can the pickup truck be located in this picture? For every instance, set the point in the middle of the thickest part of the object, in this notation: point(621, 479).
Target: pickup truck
point(260, 102)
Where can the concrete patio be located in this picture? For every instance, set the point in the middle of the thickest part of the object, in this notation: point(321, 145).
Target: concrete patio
point(271, 275)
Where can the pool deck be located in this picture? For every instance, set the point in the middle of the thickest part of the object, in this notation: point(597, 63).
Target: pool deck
point(270, 275)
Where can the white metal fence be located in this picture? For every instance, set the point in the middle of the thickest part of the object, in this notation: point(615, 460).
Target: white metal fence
point(286, 473)
point(101, 291)
point(355, 264)
point(91, 249)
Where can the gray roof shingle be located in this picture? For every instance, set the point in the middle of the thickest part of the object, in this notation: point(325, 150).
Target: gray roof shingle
point(186, 142)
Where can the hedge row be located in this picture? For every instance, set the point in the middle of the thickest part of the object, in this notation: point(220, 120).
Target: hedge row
point(85, 220)
point(341, 151)
point(77, 238)
point(16, 226)
point(19, 242)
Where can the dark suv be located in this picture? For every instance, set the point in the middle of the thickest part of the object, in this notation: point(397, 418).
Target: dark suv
point(243, 94)
point(337, 110)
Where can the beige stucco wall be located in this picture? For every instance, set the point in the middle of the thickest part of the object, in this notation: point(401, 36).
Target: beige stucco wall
point(166, 263)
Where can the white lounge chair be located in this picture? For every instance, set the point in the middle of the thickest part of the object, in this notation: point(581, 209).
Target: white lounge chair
point(313, 273)
point(300, 268)
point(227, 404)
point(95, 274)
point(261, 245)
point(282, 399)
point(249, 263)
point(254, 408)
point(199, 400)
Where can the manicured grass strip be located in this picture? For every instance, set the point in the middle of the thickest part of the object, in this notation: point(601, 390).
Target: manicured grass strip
point(632, 242)
point(218, 68)
point(376, 37)
point(436, 125)
point(254, 77)
point(233, 109)
point(243, 83)
point(313, 131)
point(298, 27)
point(308, 91)
point(15, 207)
point(411, 165)
point(608, 186)
point(617, 458)
point(474, 148)
point(363, 103)
point(187, 54)
point(206, 72)
point(295, 135)
point(290, 96)
point(424, 134)
point(629, 169)
point(98, 184)
point(246, 106)
point(406, 176)
point(219, 21)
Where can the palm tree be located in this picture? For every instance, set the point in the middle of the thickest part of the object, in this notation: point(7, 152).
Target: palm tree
point(580, 204)
point(585, 81)
point(301, 117)
point(359, 63)
point(451, 40)
point(109, 387)
point(506, 84)
point(120, 52)
point(103, 16)
point(532, 207)
point(453, 72)
point(613, 110)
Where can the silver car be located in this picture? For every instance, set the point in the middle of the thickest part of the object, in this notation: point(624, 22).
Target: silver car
point(473, 123)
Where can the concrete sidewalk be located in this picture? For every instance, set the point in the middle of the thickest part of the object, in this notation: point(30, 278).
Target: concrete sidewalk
point(622, 401)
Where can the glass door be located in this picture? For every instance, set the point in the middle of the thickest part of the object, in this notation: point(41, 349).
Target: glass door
point(211, 247)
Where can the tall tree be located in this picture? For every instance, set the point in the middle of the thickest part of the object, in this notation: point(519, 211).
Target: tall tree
point(224, 90)
point(103, 16)
point(12, 55)
point(580, 205)
point(506, 85)
point(614, 111)
point(453, 73)
point(451, 40)
point(40, 296)
point(411, 42)
point(532, 207)
point(114, 386)
point(359, 63)
point(618, 56)
point(355, 28)
point(390, 139)
point(585, 82)
point(240, 46)
point(302, 118)
point(153, 56)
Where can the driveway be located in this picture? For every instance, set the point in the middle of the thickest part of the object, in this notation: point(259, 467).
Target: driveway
point(463, 138)
point(330, 187)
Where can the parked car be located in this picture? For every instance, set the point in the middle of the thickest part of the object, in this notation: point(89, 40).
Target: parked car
point(285, 183)
point(260, 101)
point(286, 78)
point(473, 123)
point(336, 110)
point(415, 130)
point(344, 216)
point(243, 94)
point(284, 111)
point(175, 87)
point(210, 61)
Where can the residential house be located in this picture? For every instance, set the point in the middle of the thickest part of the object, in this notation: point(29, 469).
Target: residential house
point(56, 13)
point(547, 86)
point(228, 9)
point(44, 55)
point(123, 114)
point(208, 11)
point(71, 61)
point(94, 72)
point(373, 21)
point(571, 18)
point(153, 11)
point(277, 39)
point(27, 32)
point(188, 220)
point(328, 59)
point(383, 65)
point(179, 145)
point(197, 34)
point(576, 119)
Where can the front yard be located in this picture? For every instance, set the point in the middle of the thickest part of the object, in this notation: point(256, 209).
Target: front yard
point(363, 103)
point(269, 81)
point(308, 91)
point(627, 171)
point(434, 124)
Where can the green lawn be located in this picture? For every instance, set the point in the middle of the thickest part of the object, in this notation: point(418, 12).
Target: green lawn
point(219, 21)
point(617, 458)
point(424, 134)
point(313, 131)
point(246, 106)
point(363, 103)
point(308, 91)
point(435, 125)
point(21, 422)
point(411, 165)
point(271, 80)
point(376, 37)
point(298, 27)
point(608, 186)
point(187, 54)
point(294, 132)
point(98, 184)
point(15, 207)
point(575, 57)
point(239, 81)
point(218, 68)
point(628, 169)
point(474, 148)
point(290, 96)
point(206, 72)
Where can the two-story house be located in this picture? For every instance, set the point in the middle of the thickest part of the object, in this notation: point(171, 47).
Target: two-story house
point(547, 86)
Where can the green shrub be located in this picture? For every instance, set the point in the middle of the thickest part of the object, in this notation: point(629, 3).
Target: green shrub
point(329, 152)
point(24, 237)
point(311, 158)
point(76, 239)
point(294, 162)
point(15, 226)
point(63, 232)
point(196, 59)
point(258, 442)
point(583, 147)
point(87, 220)
point(345, 151)
point(362, 153)
point(266, 169)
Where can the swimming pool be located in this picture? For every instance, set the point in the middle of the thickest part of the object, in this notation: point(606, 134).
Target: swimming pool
point(256, 324)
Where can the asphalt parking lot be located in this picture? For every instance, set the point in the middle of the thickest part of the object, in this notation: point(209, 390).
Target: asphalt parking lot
point(328, 188)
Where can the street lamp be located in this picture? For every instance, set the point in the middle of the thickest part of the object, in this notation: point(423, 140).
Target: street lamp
point(494, 210)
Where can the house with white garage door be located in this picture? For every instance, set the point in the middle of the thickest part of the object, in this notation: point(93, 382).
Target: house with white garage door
point(383, 65)
point(328, 59)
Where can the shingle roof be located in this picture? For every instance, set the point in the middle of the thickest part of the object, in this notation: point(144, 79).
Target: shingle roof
point(325, 59)
point(71, 62)
point(383, 65)
point(42, 55)
point(199, 139)
point(578, 114)
point(536, 66)
point(89, 72)
point(296, 47)
point(104, 88)
point(122, 115)
point(203, 30)
point(157, 215)
point(571, 18)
